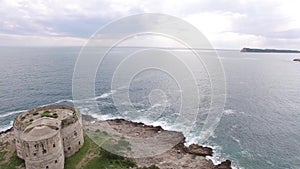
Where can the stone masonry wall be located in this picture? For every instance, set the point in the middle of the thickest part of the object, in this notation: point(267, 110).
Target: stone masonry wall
point(47, 154)
point(72, 138)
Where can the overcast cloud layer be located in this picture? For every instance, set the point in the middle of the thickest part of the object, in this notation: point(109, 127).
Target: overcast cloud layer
point(231, 24)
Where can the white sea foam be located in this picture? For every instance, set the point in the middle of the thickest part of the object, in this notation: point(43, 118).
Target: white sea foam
point(61, 101)
point(99, 116)
point(6, 127)
point(155, 105)
point(160, 122)
point(236, 140)
point(217, 157)
point(230, 111)
point(105, 95)
point(11, 113)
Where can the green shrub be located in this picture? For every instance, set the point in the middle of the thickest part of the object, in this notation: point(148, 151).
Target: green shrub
point(49, 114)
point(13, 163)
point(45, 114)
point(151, 167)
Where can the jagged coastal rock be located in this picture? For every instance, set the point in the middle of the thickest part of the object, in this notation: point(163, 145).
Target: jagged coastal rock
point(224, 165)
point(199, 150)
point(177, 157)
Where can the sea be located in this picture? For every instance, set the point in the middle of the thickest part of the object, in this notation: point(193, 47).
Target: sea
point(260, 123)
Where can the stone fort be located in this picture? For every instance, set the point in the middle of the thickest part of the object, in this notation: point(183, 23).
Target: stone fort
point(46, 135)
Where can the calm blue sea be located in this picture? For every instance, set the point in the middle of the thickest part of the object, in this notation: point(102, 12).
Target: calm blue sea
point(260, 126)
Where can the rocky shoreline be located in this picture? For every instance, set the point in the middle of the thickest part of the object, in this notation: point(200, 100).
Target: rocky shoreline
point(177, 157)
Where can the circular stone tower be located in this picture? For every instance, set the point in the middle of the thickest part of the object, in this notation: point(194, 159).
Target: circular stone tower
point(45, 135)
point(42, 145)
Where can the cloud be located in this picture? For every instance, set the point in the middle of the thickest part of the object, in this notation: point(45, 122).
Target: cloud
point(227, 24)
point(30, 40)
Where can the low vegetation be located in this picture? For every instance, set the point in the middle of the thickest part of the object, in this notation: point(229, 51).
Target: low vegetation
point(90, 156)
point(93, 157)
point(13, 162)
point(49, 114)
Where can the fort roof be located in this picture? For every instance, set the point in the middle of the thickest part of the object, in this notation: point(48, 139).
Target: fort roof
point(61, 113)
point(39, 132)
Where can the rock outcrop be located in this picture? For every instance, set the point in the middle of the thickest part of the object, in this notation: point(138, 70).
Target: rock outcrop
point(177, 156)
point(199, 150)
point(224, 165)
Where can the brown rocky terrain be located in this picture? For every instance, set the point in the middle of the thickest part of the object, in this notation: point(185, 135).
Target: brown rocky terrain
point(178, 156)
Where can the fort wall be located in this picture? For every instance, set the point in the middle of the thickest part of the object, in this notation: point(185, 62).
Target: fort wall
point(46, 135)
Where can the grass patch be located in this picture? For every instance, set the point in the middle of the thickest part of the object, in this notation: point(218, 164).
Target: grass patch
point(88, 148)
point(90, 156)
point(45, 114)
point(113, 143)
point(102, 162)
point(94, 157)
point(49, 114)
point(13, 162)
point(2, 155)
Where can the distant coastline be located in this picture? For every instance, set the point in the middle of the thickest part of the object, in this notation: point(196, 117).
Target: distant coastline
point(268, 50)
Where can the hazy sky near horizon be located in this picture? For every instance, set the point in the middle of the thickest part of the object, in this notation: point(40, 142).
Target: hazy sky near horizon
point(231, 24)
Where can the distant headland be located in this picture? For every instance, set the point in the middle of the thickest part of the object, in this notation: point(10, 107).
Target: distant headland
point(297, 60)
point(268, 50)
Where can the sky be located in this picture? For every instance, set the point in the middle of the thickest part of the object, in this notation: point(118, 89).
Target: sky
point(227, 24)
